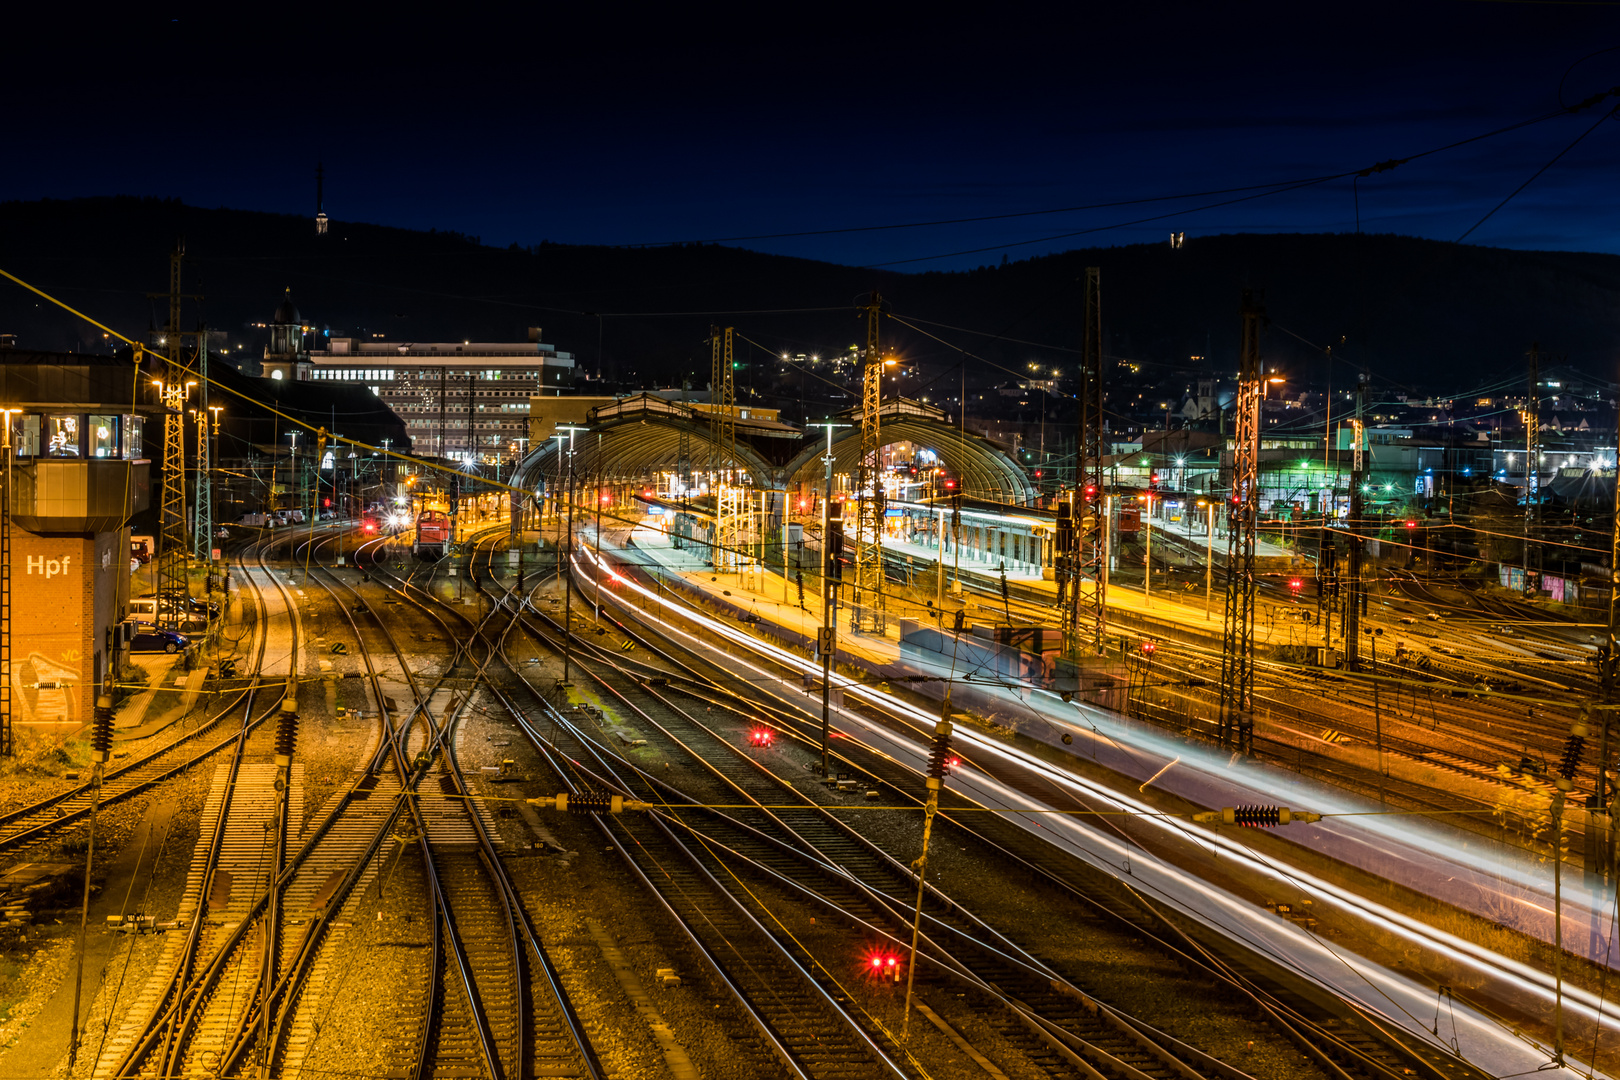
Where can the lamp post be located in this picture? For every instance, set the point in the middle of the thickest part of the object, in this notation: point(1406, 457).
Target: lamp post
point(293, 435)
point(568, 562)
point(1209, 555)
point(827, 639)
point(1147, 579)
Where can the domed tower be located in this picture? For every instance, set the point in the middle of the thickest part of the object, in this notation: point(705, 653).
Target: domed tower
point(320, 199)
point(285, 356)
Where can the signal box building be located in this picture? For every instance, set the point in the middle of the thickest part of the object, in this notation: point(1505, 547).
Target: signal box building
point(80, 471)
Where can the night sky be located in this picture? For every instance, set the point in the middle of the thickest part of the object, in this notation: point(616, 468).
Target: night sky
point(625, 126)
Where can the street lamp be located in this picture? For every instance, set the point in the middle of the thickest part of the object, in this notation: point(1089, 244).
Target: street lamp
point(1209, 555)
point(568, 556)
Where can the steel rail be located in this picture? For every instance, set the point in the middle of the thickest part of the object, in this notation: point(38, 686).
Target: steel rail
point(1306, 1033)
point(518, 920)
point(171, 1010)
point(998, 949)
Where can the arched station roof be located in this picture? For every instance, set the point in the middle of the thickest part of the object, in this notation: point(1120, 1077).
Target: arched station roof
point(982, 468)
point(637, 436)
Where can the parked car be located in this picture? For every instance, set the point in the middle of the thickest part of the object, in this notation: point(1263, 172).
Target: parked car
point(139, 550)
point(150, 639)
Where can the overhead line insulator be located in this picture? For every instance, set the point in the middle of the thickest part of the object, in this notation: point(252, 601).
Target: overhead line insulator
point(1256, 817)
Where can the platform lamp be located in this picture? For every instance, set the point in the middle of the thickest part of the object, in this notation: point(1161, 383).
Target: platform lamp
point(1208, 505)
point(213, 456)
point(568, 557)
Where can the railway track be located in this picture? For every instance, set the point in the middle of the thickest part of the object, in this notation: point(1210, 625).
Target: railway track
point(818, 861)
point(496, 1006)
point(714, 875)
point(151, 1037)
point(242, 987)
point(795, 1018)
point(1268, 988)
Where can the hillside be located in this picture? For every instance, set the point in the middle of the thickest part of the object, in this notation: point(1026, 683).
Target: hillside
point(1418, 312)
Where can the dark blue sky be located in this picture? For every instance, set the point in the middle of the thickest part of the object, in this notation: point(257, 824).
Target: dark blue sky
point(629, 126)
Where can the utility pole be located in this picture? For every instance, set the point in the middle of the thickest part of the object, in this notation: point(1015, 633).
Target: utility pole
point(1532, 467)
point(567, 551)
point(683, 448)
point(213, 451)
point(1237, 649)
point(174, 590)
point(1085, 618)
point(1610, 693)
point(1353, 572)
point(827, 638)
point(1147, 578)
point(1209, 557)
point(867, 612)
point(203, 536)
point(1327, 584)
point(729, 501)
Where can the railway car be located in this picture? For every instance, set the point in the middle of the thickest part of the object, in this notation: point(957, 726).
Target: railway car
point(432, 535)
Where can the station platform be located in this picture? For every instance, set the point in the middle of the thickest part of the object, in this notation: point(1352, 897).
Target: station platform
point(926, 556)
point(1188, 536)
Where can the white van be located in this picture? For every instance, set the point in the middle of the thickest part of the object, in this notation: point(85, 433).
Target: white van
point(144, 610)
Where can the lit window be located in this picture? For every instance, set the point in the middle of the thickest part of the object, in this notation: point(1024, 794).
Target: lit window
point(62, 435)
point(25, 432)
point(103, 436)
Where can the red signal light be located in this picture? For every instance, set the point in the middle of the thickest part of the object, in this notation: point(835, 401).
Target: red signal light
point(885, 965)
point(950, 483)
point(761, 737)
point(1411, 524)
point(1148, 648)
point(1296, 584)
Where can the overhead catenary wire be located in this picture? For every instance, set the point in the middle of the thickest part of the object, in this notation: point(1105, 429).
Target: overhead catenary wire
point(1280, 189)
point(1551, 162)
